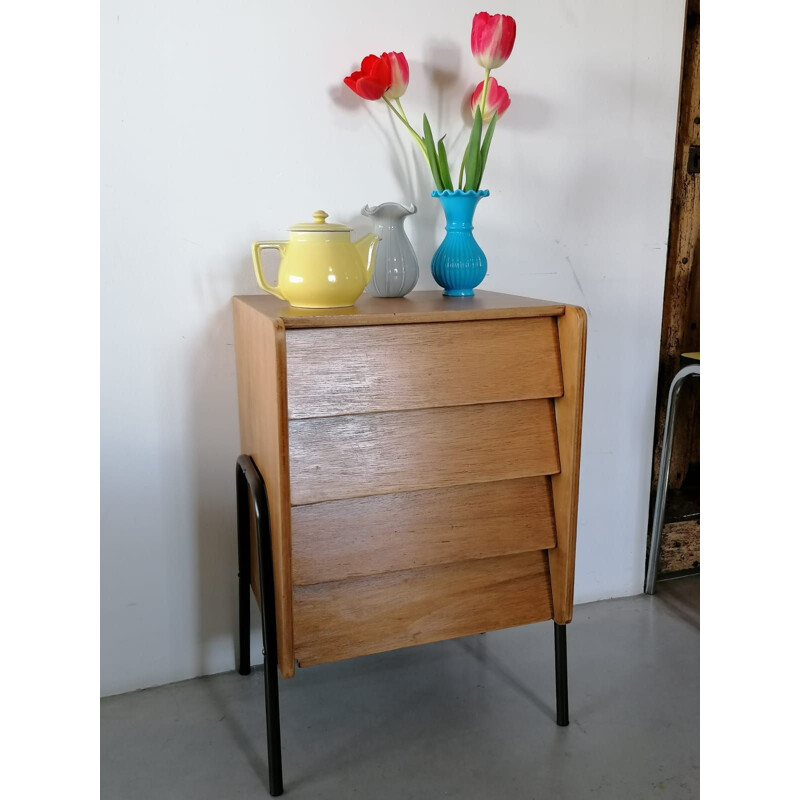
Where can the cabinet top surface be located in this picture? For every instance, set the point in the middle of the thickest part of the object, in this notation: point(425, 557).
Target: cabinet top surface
point(423, 306)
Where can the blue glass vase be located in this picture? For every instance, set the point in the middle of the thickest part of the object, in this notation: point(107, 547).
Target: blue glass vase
point(459, 264)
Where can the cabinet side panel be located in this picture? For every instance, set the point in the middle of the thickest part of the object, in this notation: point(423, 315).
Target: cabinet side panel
point(261, 379)
point(569, 417)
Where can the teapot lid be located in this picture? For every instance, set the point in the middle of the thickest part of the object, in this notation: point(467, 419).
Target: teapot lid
point(319, 224)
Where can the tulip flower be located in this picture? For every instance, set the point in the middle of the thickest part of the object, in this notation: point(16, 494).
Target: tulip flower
point(492, 39)
point(497, 100)
point(399, 75)
point(385, 77)
point(372, 80)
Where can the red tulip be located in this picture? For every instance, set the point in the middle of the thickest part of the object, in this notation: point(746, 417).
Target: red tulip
point(399, 69)
point(372, 80)
point(492, 39)
point(497, 100)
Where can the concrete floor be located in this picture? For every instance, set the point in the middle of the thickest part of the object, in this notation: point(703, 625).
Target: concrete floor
point(469, 718)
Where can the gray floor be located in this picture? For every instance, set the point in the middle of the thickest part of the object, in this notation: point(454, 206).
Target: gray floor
point(470, 718)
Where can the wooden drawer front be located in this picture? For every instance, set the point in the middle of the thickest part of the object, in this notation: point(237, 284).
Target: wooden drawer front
point(334, 458)
point(392, 367)
point(342, 539)
point(384, 612)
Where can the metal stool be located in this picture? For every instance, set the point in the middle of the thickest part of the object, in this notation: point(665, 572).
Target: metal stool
point(691, 362)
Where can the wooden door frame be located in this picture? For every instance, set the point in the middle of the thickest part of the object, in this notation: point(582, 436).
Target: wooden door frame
point(680, 327)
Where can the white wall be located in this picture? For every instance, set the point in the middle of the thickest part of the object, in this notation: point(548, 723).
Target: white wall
point(223, 122)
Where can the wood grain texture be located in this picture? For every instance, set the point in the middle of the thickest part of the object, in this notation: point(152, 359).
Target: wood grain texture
point(569, 417)
point(407, 491)
point(680, 547)
point(399, 451)
point(680, 326)
point(261, 380)
point(427, 306)
point(349, 618)
point(387, 368)
point(343, 539)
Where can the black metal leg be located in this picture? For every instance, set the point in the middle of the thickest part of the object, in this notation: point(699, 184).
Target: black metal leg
point(243, 536)
point(562, 697)
point(269, 633)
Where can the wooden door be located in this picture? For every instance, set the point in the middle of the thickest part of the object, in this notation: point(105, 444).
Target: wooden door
point(680, 331)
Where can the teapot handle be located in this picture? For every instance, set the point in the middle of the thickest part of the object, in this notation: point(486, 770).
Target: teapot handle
point(257, 248)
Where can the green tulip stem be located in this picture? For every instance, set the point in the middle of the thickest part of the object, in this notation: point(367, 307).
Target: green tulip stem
point(484, 93)
point(402, 117)
point(400, 106)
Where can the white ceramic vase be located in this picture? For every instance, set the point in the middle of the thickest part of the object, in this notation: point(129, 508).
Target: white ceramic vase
point(396, 270)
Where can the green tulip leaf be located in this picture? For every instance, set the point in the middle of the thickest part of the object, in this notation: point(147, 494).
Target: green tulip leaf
point(487, 143)
point(472, 165)
point(444, 170)
point(430, 149)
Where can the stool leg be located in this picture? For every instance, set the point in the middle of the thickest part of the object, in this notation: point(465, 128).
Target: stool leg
point(243, 538)
point(663, 475)
point(562, 695)
point(269, 630)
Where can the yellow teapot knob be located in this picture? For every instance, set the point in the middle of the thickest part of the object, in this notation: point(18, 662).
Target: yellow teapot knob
point(320, 217)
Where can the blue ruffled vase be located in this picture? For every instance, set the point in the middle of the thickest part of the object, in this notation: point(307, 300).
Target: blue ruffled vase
point(459, 264)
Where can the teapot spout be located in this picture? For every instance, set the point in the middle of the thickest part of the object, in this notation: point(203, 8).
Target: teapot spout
point(366, 252)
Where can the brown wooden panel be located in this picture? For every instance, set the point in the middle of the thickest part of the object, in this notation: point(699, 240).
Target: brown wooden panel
point(342, 539)
point(569, 417)
point(386, 368)
point(680, 321)
point(399, 451)
point(350, 618)
point(261, 378)
point(424, 306)
point(680, 546)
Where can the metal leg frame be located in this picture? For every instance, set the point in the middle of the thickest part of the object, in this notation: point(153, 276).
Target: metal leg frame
point(663, 475)
point(243, 540)
point(562, 695)
point(250, 483)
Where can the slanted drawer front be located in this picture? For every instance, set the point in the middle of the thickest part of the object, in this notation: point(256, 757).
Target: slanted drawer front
point(393, 367)
point(342, 539)
point(334, 458)
point(354, 617)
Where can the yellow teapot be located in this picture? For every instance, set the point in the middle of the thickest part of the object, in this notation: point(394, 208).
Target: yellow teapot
point(320, 267)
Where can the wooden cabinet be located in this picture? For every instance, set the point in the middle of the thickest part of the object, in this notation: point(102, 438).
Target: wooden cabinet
point(421, 461)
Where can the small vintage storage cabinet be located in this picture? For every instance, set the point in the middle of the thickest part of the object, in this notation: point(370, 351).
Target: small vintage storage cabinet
point(420, 461)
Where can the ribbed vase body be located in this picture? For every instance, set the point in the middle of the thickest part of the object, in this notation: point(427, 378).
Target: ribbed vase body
point(396, 270)
point(459, 264)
